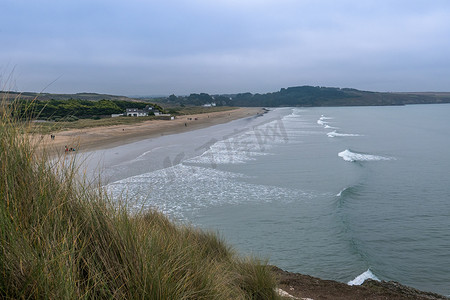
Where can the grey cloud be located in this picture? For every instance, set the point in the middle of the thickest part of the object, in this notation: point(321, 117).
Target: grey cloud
point(148, 47)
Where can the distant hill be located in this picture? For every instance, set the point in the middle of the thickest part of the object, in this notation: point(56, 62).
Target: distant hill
point(326, 96)
point(48, 96)
point(312, 96)
point(71, 107)
point(304, 96)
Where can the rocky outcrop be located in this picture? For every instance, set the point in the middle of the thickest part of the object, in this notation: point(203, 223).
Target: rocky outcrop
point(300, 286)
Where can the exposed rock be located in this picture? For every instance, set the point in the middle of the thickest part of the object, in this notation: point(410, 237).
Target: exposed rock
point(305, 286)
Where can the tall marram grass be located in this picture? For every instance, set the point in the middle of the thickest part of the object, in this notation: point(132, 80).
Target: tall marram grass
point(61, 238)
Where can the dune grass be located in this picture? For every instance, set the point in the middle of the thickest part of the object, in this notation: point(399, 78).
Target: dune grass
point(194, 110)
point(49, 127)
point(64, 238)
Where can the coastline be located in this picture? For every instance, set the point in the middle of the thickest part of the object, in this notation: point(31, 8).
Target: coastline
point(97, 138)
point(298, 285)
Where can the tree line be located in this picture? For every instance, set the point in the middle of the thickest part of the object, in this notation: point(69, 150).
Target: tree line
point(76, 108)
point(293, 96)
point(307, 96)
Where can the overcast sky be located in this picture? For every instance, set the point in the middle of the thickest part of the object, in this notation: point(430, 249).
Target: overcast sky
point(145, 47)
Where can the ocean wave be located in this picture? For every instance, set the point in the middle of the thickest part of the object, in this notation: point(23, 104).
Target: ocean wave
point(334, 133)
point(342, 192)
point(363, 277)
point(326, 126)
point(348, 191)
point(182, 190)
point(244, 147)
point(348, 155)
point(322, 121)
point(217, 157)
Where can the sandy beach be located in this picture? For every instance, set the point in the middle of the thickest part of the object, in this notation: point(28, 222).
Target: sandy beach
point(106, 137)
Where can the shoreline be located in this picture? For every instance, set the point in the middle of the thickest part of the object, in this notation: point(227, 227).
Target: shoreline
point(98, 138)
point(297, 285)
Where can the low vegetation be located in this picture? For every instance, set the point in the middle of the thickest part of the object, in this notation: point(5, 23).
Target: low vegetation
point(64, 238)
point(74, 109)
point(193, 110)
point(48, 127)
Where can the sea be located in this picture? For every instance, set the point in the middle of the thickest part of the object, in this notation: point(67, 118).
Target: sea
point(340, 193)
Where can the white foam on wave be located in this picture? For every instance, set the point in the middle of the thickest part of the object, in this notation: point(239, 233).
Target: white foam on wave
point(294, 113)
point(322, 121)
point(245, 146)
point(340, 192)
point(326, 126)
point(363, 277)
point(182, 190)
point(348, 155)
point(217, 155)
point(334, 133)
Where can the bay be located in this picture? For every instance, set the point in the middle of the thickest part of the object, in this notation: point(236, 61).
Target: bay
point(334, 192)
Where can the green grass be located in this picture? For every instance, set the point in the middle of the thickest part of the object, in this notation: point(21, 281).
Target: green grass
point(64, 238)
point(192, 110)
point(51, 127)
point(48, 127)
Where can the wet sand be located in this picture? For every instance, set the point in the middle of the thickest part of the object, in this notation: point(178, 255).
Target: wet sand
point(111, 136)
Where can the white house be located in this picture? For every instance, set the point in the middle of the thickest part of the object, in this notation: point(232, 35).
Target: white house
point(136, 112)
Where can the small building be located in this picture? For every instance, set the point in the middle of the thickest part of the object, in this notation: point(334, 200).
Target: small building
point(165, 117)
point(136, 112)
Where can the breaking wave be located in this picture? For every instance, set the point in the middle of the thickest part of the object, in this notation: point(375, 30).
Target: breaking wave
point(337, 134)
point(240, 148)
point(182, 190)
point(347, 191)
point(363, 277)
point(326, 126)
point(322, 117)
point(322, 121)
point(348, 155)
